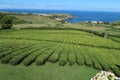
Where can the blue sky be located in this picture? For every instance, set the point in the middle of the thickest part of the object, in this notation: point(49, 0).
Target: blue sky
point(94, 5)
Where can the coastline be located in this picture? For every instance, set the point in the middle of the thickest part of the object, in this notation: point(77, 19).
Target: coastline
point(79, 16)
point(58, 17)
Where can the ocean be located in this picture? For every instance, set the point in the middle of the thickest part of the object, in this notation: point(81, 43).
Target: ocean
point(80, 16)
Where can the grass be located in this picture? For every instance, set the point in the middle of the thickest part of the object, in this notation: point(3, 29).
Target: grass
point(86, 27)
point(36, 21)
point(46, 72)
point(114, 34)
point(36, 18)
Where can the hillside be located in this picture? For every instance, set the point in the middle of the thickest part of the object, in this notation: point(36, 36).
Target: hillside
point(71, 50)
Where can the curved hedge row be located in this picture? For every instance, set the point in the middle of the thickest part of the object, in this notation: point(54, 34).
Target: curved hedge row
point(31, 58)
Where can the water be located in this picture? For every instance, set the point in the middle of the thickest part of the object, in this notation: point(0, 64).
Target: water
point(80, 16)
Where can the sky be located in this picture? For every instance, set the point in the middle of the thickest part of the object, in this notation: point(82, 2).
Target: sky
point(88, 5)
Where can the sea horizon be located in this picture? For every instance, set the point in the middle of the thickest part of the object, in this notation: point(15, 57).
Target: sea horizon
point(80, 15)
point(60, 10)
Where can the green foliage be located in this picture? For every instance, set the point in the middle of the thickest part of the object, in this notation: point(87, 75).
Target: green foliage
point(6, 59)
point(71, 56)
point(98, 33)
point(19, 58)
point(54, 58)
point(19, 21)
point(116, 23)
point(96, 65)
point(6, 22)
point(13, 53)
point(45, 56)
point(1, 16)
point(31, 58)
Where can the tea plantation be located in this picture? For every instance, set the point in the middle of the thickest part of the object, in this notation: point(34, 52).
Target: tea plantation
point(64, 47)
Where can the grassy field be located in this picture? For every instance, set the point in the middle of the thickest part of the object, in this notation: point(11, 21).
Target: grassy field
point(46, 72)
point(64, 47)
point(36, 21)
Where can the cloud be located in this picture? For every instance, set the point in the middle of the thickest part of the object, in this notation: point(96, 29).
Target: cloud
point(35, 6)
point(47, 6)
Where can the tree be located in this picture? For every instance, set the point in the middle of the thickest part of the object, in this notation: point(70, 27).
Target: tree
point(6, 22)
point(2, 15)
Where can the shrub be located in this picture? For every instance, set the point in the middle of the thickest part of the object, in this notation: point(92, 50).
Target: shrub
point(80, 61)
point(71, 58)
point(96, 65)
point(16, 60)
point(105, 66)
point(6, 22)
point(44, 57)
point(6, 59)
point(53, 58)
point(63, 59)
point(88, 61)
point(4, 53)
point(116, 70)
point(2, 15)
point(29, 60)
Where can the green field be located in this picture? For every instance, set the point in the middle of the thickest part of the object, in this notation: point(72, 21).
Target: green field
point(71, 48)
point(42, 48)
point(46, 72)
